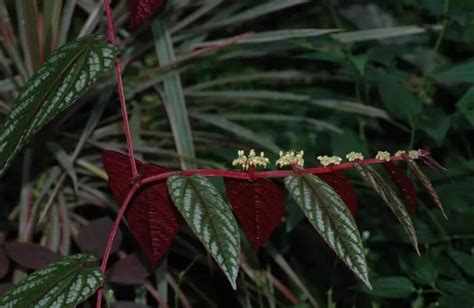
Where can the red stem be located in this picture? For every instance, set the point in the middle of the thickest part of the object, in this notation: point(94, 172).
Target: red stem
point(113, 235)
point(120, 89)
point(128, 137)
point(245, 175)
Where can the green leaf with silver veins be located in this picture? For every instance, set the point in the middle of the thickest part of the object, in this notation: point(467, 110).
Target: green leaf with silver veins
point(65, 283)
point(330, 217)
point(210, 218)
point(377, 183)
point(60, 81)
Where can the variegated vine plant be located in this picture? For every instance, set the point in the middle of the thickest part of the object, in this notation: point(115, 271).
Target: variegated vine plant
point(158, 197)
point(154, 200)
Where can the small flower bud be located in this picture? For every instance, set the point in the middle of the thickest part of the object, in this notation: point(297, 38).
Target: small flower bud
point(383, 155)
point(353, 156)
point(413, 154)
point(290, 158)
point(329, 160)
point(400, 153)
point(251, 160)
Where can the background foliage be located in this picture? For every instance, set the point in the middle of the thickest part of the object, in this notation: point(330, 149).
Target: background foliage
point(399, 75)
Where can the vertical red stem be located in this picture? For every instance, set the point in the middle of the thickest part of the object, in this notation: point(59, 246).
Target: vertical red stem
point(120, 90)
point(113, 235)
point(128, 137)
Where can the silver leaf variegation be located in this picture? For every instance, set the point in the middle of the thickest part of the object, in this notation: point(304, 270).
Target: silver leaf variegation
point(210, 218)
point(65, 283)
point(330, 217)
point(56, 84)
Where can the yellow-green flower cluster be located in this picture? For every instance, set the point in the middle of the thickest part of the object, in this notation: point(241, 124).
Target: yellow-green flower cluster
point(383, 155)
point(290, 158)
point(294, 158)
point(414, 154)
point(400, 153)
point(353, 156)
point(329, 160)
point(251, 160)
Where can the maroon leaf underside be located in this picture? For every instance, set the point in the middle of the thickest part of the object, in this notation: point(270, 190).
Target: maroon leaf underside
point(343, 187)
point(93, 237)
point(128, 271)
point(142, 10)
point(259, 206)
point(150, 216)
point(29, 255)
point(404, 183)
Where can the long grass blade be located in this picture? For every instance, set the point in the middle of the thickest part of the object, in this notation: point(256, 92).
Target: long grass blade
point(66, 21)
point(238, 130)
point(273, 36)
point(173, 95)
point(339, 105)
point(377, 34)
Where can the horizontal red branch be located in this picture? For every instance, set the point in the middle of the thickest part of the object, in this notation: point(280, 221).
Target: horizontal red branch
point(248, 175)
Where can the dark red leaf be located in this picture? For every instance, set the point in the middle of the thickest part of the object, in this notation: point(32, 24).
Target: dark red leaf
point(341, 184)
point(128, 271)
point(30, 256)
point(151, 217)
point(141, 10)
point(404, 183)
point(4, 263)
point(93, 237)
point(259, 206)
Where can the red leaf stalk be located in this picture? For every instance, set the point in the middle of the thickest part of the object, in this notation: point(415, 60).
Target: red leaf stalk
point(120, 89)
point(113, 235)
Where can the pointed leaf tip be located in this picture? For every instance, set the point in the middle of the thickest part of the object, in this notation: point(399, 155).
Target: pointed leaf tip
point(330, 217)
point(259, 206)
point(63, 78)
point(210, 218)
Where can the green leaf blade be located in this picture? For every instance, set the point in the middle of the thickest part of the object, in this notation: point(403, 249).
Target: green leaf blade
point(378, 184)
point(394, 94)
point(174, 99)
point(330, 217)
point(210, 218)
point(65, 283)
point(60, 81)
